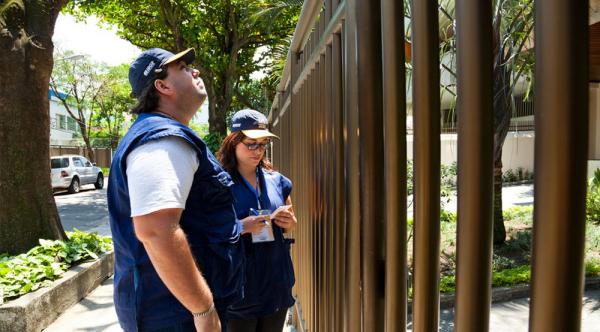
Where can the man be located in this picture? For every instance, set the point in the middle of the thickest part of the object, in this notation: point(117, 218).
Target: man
point(178, 261)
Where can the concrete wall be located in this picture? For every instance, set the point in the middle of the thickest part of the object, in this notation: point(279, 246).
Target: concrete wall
point(594, 121)
point(517, 151)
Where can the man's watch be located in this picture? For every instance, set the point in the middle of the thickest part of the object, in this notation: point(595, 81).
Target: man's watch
point(204, 313)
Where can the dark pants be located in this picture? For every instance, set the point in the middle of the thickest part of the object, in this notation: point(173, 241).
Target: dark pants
point(188, 325)
point(271, 323)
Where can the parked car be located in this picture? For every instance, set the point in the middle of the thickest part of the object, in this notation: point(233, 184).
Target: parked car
point(72, 171)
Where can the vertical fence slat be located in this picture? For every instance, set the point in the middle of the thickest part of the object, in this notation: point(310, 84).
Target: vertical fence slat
point(394, 106)
point(561, 102)
point(353, 303)
point(371, 160)
point(426, 110)
point(340, 196)
point(475, 165)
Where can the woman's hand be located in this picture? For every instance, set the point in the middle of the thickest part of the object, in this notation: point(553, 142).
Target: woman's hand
point(253, 224)
point(286, 219)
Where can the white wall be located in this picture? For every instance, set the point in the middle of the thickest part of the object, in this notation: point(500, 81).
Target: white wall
point(57, 134)
point(517, 150)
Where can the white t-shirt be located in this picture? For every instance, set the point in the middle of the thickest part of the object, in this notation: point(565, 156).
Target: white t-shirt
point(160, 175)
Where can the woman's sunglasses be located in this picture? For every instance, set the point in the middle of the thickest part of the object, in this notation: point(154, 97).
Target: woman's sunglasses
point(255, 146)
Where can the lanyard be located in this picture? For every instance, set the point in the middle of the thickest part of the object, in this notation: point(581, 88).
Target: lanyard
point(255, 190)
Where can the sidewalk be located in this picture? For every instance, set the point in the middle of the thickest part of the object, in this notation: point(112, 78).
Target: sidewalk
point(96, 311)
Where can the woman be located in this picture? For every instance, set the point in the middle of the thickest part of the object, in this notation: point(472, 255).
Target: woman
point(257, 187)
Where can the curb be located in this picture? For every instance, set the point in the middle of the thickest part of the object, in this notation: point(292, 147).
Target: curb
point(503, 294)
point(35, 311)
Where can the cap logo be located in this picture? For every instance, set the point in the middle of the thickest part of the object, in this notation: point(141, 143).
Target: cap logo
point(262, 126)
point(236, 125)
point(149, 68)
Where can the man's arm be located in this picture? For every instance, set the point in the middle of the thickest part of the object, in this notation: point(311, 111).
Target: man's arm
point(169, 251)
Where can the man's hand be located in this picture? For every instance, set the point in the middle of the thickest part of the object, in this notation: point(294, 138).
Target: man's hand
point(209, 323)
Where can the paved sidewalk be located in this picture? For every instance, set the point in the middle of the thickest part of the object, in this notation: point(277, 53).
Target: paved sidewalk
point(87, 211)
point(96, 313)
point(513, 316)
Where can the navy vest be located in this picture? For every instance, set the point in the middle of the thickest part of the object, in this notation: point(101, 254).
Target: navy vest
point(269, 269)
point(141, 299)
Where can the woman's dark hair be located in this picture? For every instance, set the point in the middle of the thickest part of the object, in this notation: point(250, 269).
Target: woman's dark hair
point(226, 153)
point(148, 101)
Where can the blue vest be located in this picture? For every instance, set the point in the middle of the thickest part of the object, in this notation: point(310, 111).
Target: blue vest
point(269, 269)
point(141, 299)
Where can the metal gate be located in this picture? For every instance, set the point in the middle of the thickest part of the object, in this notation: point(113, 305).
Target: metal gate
point(341, 115)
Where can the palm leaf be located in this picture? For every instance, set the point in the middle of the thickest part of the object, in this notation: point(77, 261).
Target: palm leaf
point(5, 7)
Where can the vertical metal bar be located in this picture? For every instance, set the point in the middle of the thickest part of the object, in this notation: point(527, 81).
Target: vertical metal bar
point(370, 110)
point(561, 146)
point(394, 107)
point(475, 164)
point(330, 186)
point(339, 196)
point(426, 110)
point(353, 303)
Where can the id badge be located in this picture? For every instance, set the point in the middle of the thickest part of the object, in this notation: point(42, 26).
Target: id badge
point(266, 234)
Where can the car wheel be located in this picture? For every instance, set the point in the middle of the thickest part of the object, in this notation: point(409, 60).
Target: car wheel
point(99, 181)
point(74, 187)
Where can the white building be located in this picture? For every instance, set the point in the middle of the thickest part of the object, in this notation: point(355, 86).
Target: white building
point(64, 130)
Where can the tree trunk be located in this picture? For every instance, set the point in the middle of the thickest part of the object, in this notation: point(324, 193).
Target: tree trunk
point(502, 115)
point(499, 229)
point(88, 145)
point(27, 210)
point(217, 117)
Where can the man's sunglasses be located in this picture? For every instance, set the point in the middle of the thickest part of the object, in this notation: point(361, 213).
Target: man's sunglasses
point(255, 146)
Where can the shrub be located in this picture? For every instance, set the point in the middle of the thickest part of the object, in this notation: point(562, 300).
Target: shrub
point(596, 179)
point(510, 277)
point(213, 141)
point(509, 176)
point(593, 204)
point(39, 266)
point(446, 216)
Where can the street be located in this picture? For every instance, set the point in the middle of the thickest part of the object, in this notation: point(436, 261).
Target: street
point(86, 210)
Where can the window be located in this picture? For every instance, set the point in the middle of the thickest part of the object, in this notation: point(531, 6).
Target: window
point(59, 162)
point(71, 124)
point(77, 162)
point(62, 121)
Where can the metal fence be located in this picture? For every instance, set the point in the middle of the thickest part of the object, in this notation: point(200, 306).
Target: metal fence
point(102, 156)
point(341, 115)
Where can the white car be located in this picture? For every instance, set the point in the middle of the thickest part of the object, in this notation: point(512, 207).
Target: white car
point(72, 171)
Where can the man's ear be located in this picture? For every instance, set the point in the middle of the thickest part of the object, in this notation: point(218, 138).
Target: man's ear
point(163, 87)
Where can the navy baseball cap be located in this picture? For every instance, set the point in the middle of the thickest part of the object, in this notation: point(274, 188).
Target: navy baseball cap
point(143, 70)
point(252, 123)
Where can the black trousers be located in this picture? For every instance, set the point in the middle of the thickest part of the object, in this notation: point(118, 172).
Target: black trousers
point(271, 323)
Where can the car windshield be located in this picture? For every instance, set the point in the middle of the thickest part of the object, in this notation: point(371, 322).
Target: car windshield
point(59, 162)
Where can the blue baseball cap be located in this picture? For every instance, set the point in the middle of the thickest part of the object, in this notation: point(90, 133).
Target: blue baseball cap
point(252, 123)
point(143, 70)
